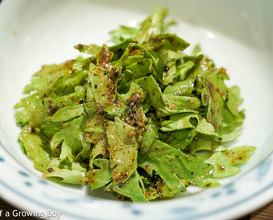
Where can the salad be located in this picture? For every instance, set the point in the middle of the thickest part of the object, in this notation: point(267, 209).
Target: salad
point(139, 117)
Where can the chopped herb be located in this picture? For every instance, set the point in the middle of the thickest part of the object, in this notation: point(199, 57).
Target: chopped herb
point(134, 116)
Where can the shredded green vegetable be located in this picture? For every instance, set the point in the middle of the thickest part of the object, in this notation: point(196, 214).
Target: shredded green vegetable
point(134, 117)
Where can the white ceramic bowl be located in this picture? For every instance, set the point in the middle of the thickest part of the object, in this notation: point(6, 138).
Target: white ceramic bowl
point(236, 34)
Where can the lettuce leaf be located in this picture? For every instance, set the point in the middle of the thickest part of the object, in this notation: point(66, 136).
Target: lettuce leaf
point(122, 149)
point(72, 174)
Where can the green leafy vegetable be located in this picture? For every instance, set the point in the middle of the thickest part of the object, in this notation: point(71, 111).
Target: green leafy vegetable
point(134, 117)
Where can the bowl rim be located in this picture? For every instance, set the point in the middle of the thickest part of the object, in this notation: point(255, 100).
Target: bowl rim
point(254, 200)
